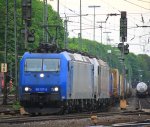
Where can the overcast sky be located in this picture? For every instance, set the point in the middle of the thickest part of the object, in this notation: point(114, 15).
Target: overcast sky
point(138, 13)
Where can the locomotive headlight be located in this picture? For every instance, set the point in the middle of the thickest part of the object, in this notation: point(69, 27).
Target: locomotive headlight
point(42, 75)
point(26, 89)
point(56, 89)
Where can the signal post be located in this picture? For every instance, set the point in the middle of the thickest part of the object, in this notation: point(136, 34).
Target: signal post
point(124, 50)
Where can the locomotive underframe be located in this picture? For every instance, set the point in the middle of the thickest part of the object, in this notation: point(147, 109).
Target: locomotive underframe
point(141, 94)
point(48, 103)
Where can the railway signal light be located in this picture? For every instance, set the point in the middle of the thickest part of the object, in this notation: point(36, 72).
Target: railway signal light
point(27, 11)
point(31, 37)
point(126, 50)
point(121, 46)
point(123, 27)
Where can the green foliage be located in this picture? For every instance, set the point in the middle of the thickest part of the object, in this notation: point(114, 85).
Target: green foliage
point(37, 25)
point(16, 105)
point(136, 65)
point(98, 50)
point(133, 62)
point(37, 22)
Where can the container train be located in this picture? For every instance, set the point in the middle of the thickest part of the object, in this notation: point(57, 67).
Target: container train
point(55, 82)
point(142, 89)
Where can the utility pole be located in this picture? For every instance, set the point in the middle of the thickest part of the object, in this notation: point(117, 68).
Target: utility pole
point(94, 20)
point(10, 57)
point(66, 29)
point(5, 57)
point(66, 33)
point(109, 57)
point(58, 7)
point(45, 21)
point(107, 36)
point(80, 25)
point(16, 53)
point(101, 29)
point(111, 14)
point(26, 35)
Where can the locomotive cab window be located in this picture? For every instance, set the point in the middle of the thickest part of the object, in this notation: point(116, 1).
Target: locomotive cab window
point(42, 65)
point(51, 65)
point(33, 64)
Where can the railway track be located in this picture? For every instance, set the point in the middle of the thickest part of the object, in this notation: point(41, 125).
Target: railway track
point(144, 104)
point(8, 110)
point(24, 119)
point(13, 117)
point(133, 124)
point(10, 99)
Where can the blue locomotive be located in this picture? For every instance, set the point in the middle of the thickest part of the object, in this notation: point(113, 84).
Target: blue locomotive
point(43, 80)
point(53, 82)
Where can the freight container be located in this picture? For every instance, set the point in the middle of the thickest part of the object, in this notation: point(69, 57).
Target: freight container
point(116, 82)
point(104, 79)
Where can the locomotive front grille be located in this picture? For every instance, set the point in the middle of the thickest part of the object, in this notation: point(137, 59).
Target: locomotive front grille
point(41, 97)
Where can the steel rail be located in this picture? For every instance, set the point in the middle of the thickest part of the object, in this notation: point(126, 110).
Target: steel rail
point(22, 119)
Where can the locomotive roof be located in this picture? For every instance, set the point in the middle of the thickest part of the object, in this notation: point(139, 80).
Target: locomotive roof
point(67, 55)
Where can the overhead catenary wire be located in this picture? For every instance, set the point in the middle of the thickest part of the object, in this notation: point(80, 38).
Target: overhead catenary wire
point(130, 3)
point(75, 12)
point(108, 14)
point(82, 23)
point(111, 6)
point(128, 13)
point(98, 14)
point(132, 24)
point(136, 5)
point(144, 1)
point(105, 29)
